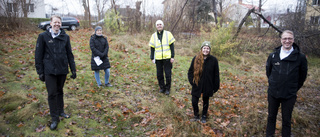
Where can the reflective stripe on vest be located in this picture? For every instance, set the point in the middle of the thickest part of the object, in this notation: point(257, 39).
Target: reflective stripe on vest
point(162, 49)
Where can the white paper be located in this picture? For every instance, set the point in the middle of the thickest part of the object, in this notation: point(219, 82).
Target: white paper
point(97, 60)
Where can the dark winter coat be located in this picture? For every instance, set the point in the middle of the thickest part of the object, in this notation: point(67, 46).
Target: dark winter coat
point(209, 82)
point(53, 55)
point(286, 76)
point(99, 47)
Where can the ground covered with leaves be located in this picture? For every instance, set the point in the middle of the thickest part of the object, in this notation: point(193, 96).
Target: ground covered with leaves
point(133, 106)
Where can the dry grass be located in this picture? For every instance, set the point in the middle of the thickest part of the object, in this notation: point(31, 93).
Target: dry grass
point(133, 107)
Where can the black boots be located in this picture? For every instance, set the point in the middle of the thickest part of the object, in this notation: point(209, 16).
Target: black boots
point(54, 125)
point(203, 119)
point(195, 118)
point(161, 90)
point(64, 115)
point(167, 92)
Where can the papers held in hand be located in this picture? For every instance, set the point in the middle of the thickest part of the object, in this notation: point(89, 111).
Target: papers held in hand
point(98, 60)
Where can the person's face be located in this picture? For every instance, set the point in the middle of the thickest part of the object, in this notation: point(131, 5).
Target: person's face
point(205, 50)
point(287, 41)
point(55, 24)
point(159, 27)
point(99, 32)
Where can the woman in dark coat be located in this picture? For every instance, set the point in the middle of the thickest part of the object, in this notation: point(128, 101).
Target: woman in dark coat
point(100, 47)
point(203, 75)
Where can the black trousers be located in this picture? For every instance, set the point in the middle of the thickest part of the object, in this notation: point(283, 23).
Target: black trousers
point(54, 84)
point(286, 111)
point(195, 101)
point(166, 66)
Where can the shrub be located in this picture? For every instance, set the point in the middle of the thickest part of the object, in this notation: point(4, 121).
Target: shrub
point(112, 22)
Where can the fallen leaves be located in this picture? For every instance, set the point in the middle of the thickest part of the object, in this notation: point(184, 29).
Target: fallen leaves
point(20, 125)
point(40, 128)
point(2, 93)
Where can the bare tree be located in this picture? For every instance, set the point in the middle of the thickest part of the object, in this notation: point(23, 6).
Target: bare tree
point(214, 10)
point(100, 4)
point(86, 6)
point(137, 16)
point(113, 6)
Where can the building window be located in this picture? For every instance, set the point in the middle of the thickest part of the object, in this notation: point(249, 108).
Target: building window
point(315, 20)
point(12, 7)
point(316, 2)
point(30, 7)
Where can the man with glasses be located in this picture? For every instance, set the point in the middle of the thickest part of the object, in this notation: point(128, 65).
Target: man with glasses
point(286, 70)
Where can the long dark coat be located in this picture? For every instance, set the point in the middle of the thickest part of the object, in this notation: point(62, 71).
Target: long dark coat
point(209, 82)
point(99, 47)
point(286, 76)
point(54, 55)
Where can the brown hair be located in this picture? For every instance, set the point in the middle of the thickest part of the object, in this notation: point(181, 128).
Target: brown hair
point(197, 66)
point(55, 16)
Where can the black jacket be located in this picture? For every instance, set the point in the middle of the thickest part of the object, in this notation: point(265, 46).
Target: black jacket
point(99, 47)
point(286, 76)
point(209, 80)
point(53, 55)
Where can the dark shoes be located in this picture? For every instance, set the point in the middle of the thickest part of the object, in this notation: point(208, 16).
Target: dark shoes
point(195, 118)
point(161, 90)
point(64, 115)
point(54, 125)
point(167, 92)
point(108, 85)
point(203, 119)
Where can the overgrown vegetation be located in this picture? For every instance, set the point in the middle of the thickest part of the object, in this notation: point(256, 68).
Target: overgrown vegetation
point(133, 107)
point(113, 22)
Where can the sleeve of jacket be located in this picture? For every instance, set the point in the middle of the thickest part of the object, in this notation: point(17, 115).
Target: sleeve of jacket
point(70, 56)
point(152, 53)
point(39, 55)
point(216, 75)
point(95, 51)
point(106, 50)
point(269, 65)
point(172, 50)
point(190, 72)
point(303, 70)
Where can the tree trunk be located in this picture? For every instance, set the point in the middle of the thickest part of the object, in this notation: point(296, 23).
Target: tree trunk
point(89, 12)
point(214, 10)
point(179, 16)
point(113, 4)
point(242, 21)
point(258, 19)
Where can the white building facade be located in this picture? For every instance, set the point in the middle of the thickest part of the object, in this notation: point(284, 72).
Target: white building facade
point(18, 8)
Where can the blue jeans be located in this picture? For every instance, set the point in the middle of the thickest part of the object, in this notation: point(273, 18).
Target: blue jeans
point(106, 76)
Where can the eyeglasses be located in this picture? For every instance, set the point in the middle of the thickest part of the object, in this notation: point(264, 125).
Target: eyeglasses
point(285, 39)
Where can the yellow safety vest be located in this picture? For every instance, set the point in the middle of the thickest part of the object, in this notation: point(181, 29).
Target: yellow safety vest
point(162, 50)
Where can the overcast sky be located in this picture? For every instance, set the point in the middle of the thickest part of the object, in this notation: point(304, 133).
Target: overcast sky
point(153, 6)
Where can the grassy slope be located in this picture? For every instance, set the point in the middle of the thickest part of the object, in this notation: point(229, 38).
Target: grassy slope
point(133, 106)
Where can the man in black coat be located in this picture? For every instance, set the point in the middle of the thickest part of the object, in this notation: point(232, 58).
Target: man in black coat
point(286, 70)
point(52, 56)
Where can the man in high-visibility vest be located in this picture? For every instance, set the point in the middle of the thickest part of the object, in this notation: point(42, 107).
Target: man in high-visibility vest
point(162, 54)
